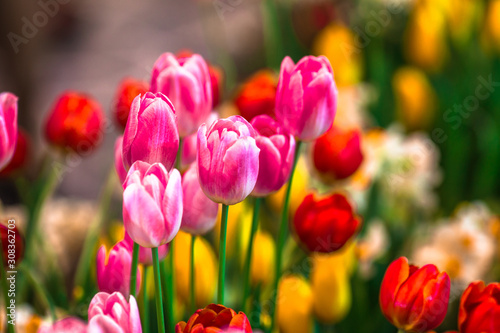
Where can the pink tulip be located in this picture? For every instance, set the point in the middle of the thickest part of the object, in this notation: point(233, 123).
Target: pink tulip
point(8, 127)
point(119, 167)
point(200, 213)
point(228, 160)
point(69, 324)
point(113, 272)
point(145, 255)
point(151, 133)
point(152, 204)
point(306, 100)
point(188, 155)
point(186, 81)
point(277, 151)
point(111, 313)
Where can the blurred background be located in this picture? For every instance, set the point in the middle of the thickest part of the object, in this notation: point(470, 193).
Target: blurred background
point(419, 79)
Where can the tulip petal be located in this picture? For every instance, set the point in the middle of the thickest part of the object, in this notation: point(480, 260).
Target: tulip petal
point(395, 275)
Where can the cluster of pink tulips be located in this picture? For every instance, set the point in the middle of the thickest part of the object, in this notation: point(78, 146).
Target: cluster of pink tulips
point(234, 159)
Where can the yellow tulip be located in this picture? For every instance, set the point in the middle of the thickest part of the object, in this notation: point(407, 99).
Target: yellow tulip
point(462, 16)
point(331, 288)
point(205, 267)
point(415, 98)
point(338, 44)
point(299, 189)
point(425, 39)
point(294, 305)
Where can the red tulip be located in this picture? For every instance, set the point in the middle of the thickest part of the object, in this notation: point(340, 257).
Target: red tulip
point(337, 153)
point(20, 154)
point(325, 224)
point(75, 123)
point(215, 318)
point(480, 308)
point(12, 245)
point(257, 95)
point(128, 89)
point(414, 299)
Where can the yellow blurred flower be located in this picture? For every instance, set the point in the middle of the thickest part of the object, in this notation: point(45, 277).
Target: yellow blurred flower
point(299, 189)
point(294, 305)
point(330, 287)
point(263, 252)
point(205, 266)
point(415, 98)
point(33, 324)
point(492, 26)
point(462, 17)
point(425, 38)
point(338, 44)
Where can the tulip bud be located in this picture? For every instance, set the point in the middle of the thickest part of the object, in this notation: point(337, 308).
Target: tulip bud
point(200, 213)
point(187, 83)
point(20, 154)
point(414, 299)
point(127, 91)
point(151, 133)
point(205, 269)
point(306, 99)
point(337, 154)
point(112, 313)
point(277, 152)
point(113, 271)
point(294, 305)
point(325, 224)
point(214, 318)
point(8, 127)
point(480, 308)
point(76, 123)
point(152, 204)
point(228, 160)
point(145, 254)
point(257, 95)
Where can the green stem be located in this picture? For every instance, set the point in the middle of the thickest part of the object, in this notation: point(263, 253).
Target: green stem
point(37, 285)
point(178, 158)
point(282, 236)
point(401, 331)
point(5, 289)
point(191, 277)
point(159, 301)
point(170, 282)
point(248, 260)
point(145, 305)
point(133, 269)
point(222, 254)
point(272, 34)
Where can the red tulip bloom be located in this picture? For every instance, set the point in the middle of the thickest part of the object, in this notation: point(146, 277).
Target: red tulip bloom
point(75, 123)
point(215, 318)
point(325, 224)
point(217, 82)
point(337, 153)
point(20, 154)
point(128, 89)
point(257, 95)
point(414, 299)
point(12, 245)
point(480, 308)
